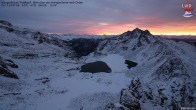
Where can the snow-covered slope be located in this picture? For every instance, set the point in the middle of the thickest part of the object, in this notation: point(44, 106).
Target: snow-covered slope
point(47, 76)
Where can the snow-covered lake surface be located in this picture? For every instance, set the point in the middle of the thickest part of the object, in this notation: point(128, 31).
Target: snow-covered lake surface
point(115, 62)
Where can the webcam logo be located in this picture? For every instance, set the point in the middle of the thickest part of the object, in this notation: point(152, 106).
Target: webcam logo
point(188, 9)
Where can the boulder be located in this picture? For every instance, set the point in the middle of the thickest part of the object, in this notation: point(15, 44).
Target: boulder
point(130, 64)
point(4, 71)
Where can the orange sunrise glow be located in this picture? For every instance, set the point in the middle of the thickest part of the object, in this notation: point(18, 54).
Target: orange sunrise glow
point(181, 28)
point(108, 17)
point(115, 30)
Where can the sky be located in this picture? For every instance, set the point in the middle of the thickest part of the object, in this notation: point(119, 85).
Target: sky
point(160, 17)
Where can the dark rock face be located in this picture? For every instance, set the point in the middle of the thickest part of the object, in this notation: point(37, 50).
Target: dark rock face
point(96, 67)
point(130, 64)
point(4, 71)
point(173, 95)
point(11, 63)
point(173, 67)
point(80, 46)
point(5, 23)
point(83, 47)
point(131, 98)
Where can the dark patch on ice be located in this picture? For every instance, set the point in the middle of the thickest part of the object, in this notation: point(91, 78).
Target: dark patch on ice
point(25, 56)
point(43, 79)
point(96, 67)
point(130, 64)
point(12, 94)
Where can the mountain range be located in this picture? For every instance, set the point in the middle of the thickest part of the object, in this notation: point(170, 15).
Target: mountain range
point(42, 71)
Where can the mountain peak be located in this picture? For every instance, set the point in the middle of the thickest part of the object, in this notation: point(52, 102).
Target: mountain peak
point(136, 33)
point(137, 29)
point(146, 32)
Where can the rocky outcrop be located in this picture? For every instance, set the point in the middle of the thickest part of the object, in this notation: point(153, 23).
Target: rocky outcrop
point(4, 71)
point(6, 23)
point(131, 98)
point(172, 67)
point(130, 64)
point(172, 93)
